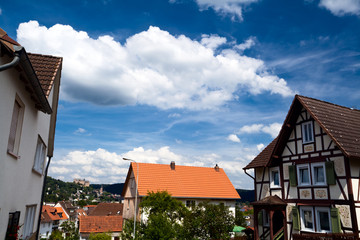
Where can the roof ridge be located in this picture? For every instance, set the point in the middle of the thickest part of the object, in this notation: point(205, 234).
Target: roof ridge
point(176, 165)
point(349, 108)
point(44, 55)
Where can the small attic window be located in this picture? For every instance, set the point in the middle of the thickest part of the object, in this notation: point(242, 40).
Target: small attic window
point(307, 132)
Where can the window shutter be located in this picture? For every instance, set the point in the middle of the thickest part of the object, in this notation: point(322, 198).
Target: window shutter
point(260, 218)
point(292, 175)
point(335, 220)
point(13, 127)
point(295, 218)
point(330, 173)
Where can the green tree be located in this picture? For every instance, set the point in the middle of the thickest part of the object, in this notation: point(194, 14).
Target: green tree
point(56, 235)
point(70, 230)
point(208, 221)
point(239, 217)
point(100, 236)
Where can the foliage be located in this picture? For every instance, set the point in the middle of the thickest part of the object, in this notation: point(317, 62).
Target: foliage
point(70, 230)
point(208, 221)
point(56, 235)
point(12, 233)
point(168, 218)
point(239, 217)
point(100, 236)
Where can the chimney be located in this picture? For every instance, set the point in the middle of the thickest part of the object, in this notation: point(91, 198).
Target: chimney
point(172, 165)
point(217, 168)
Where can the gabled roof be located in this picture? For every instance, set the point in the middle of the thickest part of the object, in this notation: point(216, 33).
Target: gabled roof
point(340, 123)
point(270, 200)
point(183, 181)
point(99, 224)
point(107, 209)
point(45, 217)
point(40, 71)
point(55, 213)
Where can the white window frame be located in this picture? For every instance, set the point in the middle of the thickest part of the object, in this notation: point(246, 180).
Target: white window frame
point(314, 180)
point(318, 210)
point(40, 155)
point(29, 220)
point(303, 166)
point(272, 182)
point(310, 133)
point(302, 217)
point(15, 128)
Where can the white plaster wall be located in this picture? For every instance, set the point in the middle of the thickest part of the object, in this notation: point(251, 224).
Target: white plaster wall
point(45, 228)
point(19, 185)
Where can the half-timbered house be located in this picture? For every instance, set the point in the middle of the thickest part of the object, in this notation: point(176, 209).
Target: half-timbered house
point(307, 179)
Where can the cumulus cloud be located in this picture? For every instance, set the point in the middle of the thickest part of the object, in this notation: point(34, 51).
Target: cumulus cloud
point(341, 7)
point(247, 44)
point(102, 166)
point(233, 138)
point(272, 129)
point(152, 67)
point(233, 8)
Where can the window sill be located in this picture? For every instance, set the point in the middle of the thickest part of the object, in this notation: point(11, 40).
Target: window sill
point(36, 172)
point(275, 187)
point(13, 155)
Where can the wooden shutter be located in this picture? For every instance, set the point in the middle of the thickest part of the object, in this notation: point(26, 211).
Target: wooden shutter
point(295, 218)
point(260, 218)
point(13, 127)
point(335, 220)
point(330, 173)
point(292, 175)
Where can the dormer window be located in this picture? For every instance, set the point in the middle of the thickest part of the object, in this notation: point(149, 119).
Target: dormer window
point(307, 132)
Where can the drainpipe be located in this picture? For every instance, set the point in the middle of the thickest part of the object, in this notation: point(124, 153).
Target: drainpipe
point(42, 199)
point(15, 61)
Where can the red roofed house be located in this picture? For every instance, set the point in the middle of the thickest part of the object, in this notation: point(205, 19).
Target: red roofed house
point(29, 93)
point(100, 224)
point(51, 219)
point(307, 179)
point(185, 183)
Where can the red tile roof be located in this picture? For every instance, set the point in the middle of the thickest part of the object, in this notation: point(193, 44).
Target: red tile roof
point(107, 209)
point(46, 68)
point(98, 224)
point(55, 213)
point(342, 124)
point(184, 181)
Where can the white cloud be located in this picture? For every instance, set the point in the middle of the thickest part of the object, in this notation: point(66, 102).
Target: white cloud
point(233, 138)
point(260, 147)
point(153, 67)
point(212, 41)
point(102, 166)
point(234, 8)
point(272, 129)
point(341, 7)
point(247, 44)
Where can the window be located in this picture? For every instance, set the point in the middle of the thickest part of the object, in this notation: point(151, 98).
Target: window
point(307, 132)
point(13, 223)
point(318, 173)
point(307, 219)
point(323, 219)
point(29, 221)
point(15, 127)
point(190, 203)
point(303, 174)
point(39, 156)
point(274, 177)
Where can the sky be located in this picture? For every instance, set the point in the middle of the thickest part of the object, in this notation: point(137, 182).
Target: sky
point(198, 82)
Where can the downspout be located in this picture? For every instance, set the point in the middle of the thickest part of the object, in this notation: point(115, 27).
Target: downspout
point(15, 61)
point(248, 174)
point(42, 198)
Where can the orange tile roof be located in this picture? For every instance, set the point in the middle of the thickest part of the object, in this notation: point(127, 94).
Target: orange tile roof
point(184, 181)
point(98, 224)
point(55, 213)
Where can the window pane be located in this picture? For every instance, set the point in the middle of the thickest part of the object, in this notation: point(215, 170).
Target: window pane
point(324, 220)
point(304, 175)
point(310, 135)
point(308, 219)
point(306, 138)
point(276, 178)
point(319, 174)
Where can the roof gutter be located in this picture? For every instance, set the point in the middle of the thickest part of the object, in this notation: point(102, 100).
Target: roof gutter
point(15, 61)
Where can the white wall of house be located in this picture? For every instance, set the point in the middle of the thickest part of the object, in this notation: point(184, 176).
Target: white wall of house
point(45, 229)
point(20, 186)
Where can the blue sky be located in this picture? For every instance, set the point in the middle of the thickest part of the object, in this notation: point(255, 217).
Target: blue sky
point(198, 82)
